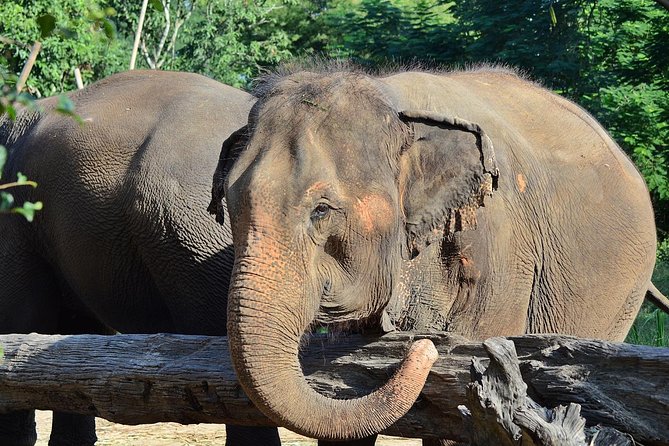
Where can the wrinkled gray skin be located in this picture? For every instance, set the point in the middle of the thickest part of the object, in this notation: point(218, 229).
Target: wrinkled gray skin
point(474, 202)
point(124, 241)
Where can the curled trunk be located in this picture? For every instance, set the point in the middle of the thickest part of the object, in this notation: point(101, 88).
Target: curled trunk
point(265, 325)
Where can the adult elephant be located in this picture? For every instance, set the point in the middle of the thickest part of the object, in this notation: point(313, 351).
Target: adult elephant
point(474, 202)
point(124, 241)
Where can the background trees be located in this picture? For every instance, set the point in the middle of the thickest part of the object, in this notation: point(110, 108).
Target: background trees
point(608, 55)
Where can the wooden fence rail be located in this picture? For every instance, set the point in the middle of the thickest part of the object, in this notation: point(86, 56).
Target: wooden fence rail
point(138, 379)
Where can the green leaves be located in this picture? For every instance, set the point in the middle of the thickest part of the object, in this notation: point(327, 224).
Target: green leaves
point(157, 5)
point(65, 106)
point(74, 33)
point(100, 17)
point(3, 158)
point(27, 209)
point(232, 41)
point(551, 11)
point(375, 32)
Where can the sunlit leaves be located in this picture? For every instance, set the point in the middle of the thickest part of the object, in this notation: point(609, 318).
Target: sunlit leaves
point(157, 5)
point(101, 19)
point(232, 41)
point(28, 209)
point(7, 202)
point(74, 33)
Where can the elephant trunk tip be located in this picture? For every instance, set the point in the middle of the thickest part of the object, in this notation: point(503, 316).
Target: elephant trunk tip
point(417, 364)
point(423, 351)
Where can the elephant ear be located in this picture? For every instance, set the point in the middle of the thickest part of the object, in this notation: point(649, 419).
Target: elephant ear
point(447, 168)
point(230, 150)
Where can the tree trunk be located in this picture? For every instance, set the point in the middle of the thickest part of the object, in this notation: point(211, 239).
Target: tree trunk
point(137, 379)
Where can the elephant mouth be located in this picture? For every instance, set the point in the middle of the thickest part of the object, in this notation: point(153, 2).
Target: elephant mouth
point(335, 327)
point(327, 289)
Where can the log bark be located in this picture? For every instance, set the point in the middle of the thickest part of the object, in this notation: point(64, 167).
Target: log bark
point(138, 379)
point(500, 412)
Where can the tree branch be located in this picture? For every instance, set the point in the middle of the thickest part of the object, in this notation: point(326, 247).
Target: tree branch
point(147, 56)
point(166, 31)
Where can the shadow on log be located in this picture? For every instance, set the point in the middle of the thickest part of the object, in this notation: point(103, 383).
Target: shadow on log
point(138, 379)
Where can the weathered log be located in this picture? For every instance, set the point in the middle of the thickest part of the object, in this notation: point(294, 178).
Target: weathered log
point(137, 379)
point(500, 412)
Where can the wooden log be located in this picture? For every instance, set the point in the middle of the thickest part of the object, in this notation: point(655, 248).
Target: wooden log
point(137, 379)
point(500, 412)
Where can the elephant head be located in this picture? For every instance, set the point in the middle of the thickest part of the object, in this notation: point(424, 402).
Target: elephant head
point(331, 188)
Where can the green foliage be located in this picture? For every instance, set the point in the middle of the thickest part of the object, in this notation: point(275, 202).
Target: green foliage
point(541, 38)
point(73, 34)
point(46, 24)
point(374, 32)
point(227, 40)
point(627, 88)
point(630, 111)
point(651, 326)
point(9, 100)
point(27, 209)
point(39, 24)
point(231, 41)
point(663, 254)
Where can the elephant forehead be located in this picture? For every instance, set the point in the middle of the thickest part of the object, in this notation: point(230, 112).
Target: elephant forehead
point(375, 212)
point(317, 188)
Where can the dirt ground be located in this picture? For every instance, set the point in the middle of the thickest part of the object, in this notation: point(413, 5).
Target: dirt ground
point(167, 434)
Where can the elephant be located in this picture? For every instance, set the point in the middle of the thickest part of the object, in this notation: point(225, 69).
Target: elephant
point(471, 201)
point(124, 242)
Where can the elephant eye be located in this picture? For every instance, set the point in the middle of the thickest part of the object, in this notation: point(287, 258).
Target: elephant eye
point(320, 212)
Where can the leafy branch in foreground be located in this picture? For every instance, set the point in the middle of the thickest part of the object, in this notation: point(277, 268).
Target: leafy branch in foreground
point(27, 209)
point(10, 98)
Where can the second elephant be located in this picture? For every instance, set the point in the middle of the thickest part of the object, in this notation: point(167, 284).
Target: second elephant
point(123, 242)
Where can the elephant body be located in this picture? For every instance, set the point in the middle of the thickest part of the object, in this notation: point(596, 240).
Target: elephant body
point(566, 241)
point(474, 201)
point(124, 242)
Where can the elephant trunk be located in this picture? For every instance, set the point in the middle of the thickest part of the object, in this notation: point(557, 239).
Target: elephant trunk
point(265, 325)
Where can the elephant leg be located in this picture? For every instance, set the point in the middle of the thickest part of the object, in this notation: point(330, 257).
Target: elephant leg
point(249, 436)
point(18, 428)
point(72, 430)
point(28, 296)
point(69, 429)
point(367, 441)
